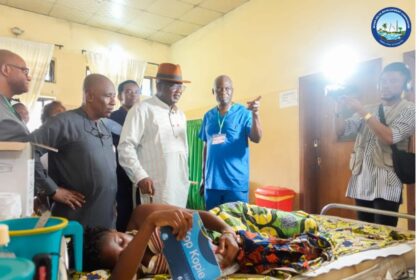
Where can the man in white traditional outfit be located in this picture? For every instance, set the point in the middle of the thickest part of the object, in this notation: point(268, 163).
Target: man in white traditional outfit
point(153, 147)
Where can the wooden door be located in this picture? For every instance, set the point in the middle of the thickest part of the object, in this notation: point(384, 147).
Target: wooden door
point(324, 159)
point(410, 60)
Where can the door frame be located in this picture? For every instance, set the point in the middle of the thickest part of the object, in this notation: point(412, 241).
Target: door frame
point(308, 172)
point(308, 198)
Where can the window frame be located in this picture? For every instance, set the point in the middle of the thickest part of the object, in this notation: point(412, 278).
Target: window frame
point(50, 77)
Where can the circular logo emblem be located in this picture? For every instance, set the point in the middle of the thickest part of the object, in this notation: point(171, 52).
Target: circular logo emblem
point(391, 27)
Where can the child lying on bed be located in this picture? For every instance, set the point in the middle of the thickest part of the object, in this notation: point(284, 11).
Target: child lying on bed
point(284, 239)
point(124, 253)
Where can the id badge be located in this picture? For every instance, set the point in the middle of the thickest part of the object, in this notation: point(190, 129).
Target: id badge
point(218, 139)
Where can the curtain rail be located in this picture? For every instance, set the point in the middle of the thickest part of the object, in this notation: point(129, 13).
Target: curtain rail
point(151, 63)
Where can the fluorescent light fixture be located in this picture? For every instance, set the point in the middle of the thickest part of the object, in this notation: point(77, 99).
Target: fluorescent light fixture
point(117, 11)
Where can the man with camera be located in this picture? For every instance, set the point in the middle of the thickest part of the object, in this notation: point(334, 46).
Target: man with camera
point(374, 183)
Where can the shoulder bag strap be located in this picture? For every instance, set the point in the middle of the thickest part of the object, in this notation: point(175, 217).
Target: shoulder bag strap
point(381, 114)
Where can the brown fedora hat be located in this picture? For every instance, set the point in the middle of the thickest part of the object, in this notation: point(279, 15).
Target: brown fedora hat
point(170, 72)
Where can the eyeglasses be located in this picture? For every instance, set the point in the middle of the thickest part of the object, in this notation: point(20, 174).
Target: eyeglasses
point(25, 70)
point(220, 89)
point(176, 87)
point(133, 92)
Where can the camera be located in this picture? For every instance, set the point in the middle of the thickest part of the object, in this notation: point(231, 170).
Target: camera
point(337, 91)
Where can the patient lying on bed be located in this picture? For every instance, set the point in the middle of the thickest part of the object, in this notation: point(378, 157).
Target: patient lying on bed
point(264, 243)
point(127, 254)
point(260, 240)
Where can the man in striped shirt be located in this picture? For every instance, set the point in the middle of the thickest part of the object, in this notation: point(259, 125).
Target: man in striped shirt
point(374, 183)
point(153, 146)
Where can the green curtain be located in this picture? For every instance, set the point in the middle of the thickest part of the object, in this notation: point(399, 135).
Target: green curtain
point(195, 158)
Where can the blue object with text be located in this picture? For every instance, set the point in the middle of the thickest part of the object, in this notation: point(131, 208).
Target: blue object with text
point(191, 258)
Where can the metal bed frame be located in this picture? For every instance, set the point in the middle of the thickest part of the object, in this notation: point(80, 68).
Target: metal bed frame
point(369, 271)
point(365, 209)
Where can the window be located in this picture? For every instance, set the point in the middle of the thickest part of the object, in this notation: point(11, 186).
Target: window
point(147, 87)
point(50, 77)
point(87, 71)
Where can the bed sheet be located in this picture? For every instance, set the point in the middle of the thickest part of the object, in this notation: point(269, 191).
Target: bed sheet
point(348, 238)
point(392, 262)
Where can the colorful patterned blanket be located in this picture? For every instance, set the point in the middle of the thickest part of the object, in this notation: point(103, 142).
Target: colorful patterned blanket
point(331, 236)
point(350, 236)
point(268, 222)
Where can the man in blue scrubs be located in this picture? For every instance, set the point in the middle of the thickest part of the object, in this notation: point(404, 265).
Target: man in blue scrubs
point(225, 132)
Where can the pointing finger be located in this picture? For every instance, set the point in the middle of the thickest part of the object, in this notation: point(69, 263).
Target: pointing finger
point(254, 103)
point(258, 98)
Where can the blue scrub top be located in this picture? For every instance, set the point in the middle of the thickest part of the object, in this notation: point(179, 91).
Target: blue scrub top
point(227, 164)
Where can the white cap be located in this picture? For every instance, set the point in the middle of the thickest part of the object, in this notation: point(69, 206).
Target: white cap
point(4, 234)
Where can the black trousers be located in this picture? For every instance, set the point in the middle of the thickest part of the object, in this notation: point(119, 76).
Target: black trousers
point(124, 200)
point(382, 204)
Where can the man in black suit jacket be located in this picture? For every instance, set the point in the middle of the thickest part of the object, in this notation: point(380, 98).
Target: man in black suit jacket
point(128, 94)
point(14, 80)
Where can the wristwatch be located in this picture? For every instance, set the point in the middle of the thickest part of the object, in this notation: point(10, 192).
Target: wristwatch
point(367, 116)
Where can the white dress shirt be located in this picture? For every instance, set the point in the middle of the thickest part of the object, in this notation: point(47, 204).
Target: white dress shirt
point(153, 144)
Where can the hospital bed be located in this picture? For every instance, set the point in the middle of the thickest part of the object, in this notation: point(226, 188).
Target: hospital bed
point(384, 260)
point(396, 261)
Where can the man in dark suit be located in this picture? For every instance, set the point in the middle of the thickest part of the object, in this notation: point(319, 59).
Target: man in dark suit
point(14, 80)
point(128, 95)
